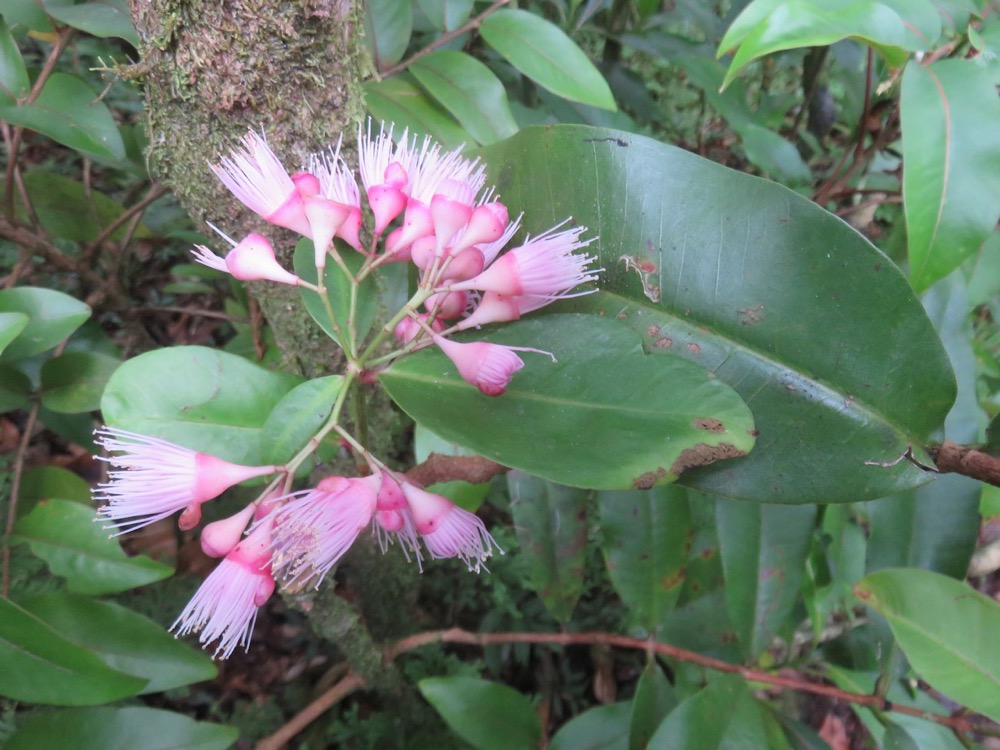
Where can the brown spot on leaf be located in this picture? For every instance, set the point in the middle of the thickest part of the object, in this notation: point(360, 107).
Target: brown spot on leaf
point(653, 330)
point(710, 425)
point(649, 479)
point(702, 455)
point(663, 343)
point(750, 316)
point(753, 433)
point(694, 348)
point(670, 580)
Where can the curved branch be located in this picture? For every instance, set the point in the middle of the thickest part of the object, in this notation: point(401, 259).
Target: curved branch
point(951, 458)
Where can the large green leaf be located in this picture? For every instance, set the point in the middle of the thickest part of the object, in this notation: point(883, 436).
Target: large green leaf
point(103, 18)
point(39, 665)
point(769, 26)
point(14, 82)
point(764, 549)
point(951, 184)
point(605, 415)
point(65, 535)
point(70, 113)
point(11, 325)
point(388, 26)
point(488, 715)
point(124, 640)
point(723, 716)
point(551, 524)
point(298, 417)
point(541, 51)
point(647, 543)
point(946, 629)
point(73, 382)
point(73, 211)
point(400, 100)
point(131, 728)
point(470, 91)
point(811, 324)
point(52, 316)
point(599, 728)
point(203, 399)
point(654, 699)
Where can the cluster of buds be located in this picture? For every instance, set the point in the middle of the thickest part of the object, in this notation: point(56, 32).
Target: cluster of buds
point(294, 538)
point(429, 207)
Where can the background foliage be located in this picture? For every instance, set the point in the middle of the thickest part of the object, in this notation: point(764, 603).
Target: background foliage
point(851, 601)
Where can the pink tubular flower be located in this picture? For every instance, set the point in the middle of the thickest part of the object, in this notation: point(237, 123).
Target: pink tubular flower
point(258, 180)
point(156, 479)
point(225, 606)
point(252, 259)
point(219, 537)
point(487, 366)
point(545, 266)
point(496, 308)
point(316, 528)
point(447, 530)
point(336, 209)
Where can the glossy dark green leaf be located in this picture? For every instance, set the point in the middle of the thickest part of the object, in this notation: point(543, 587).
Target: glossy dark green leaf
point(338, 286)
point(646, 543)
point(298, 417)
point(946, 629)
point(897, 738)
point(14, 81)
point(400, 100)
point(598, 728)
point(73, 382)
point(50, 483)
point(72, 211)
point(69, 112)
point(541, 50)
point(39, 665)
point(11, 325)
point(488, 715)
point(808, 23)
point(131, 728)
point(103, 18)
point(723, 716)
point(200, 398)
point(125, 641)
point(551, 525)
point(951, 185)
point(654, 699)
point(604, 415)
point(66, 535)
point(764, 549)
point(811, 324)
point(470, 91)
point(15, 388)
point(52, 316)
point(388, 26)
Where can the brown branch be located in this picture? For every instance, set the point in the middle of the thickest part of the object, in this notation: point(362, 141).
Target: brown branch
point(133, 214)
point(472, 23)
point(878, 703)
point(310, 713)
point(15, 489)
point(951, 458)
point(441, 468)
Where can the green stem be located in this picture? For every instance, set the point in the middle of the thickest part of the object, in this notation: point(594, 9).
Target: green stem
point(387, 330)
point(331, 424)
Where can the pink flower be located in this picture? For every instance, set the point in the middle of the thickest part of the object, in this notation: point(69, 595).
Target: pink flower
point(545, 266)
point(225, 606)
point(252, 259)
point(489, 367)
point(314, 529)
point(335, 211)
point(219, 537)
point(258, 180)
point(156, 479)
point(486, 224)
point(447, 530)
point(496, 308)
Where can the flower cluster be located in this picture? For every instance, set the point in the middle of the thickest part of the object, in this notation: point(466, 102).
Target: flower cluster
point(429, 207)
point(293, 538)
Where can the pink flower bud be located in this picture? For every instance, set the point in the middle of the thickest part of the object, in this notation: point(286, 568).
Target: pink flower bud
point(487, 224)
point(447, 304)
point(387, 202)
point(252, 259)
point(219, 537)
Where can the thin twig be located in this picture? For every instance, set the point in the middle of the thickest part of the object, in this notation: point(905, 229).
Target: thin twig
point(15, 489)
point(472, 23)
point(133, 213)
point(457, 635)
point(310, 713)
point(866, 110)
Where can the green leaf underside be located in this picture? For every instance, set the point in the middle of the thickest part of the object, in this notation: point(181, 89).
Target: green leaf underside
point(131, 727)
point(338, 287)
point(946, 629)
point(65, 535)
point(11, 325)
point(200, 398)
point(951, 185)
point(814, 327)
point(299, 416)
point(123, 639)
point(605, 415)
point(38, 665)
point(487, 714)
